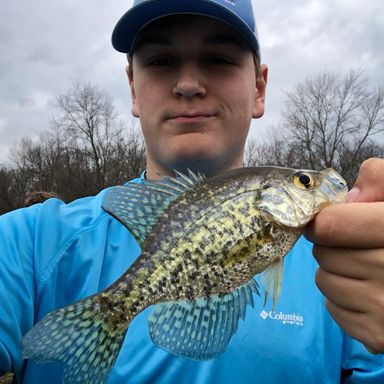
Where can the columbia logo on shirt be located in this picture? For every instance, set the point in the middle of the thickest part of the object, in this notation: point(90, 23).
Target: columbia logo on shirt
point(284, 318)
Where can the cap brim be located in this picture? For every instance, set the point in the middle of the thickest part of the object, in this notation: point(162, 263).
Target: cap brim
point(133, 21)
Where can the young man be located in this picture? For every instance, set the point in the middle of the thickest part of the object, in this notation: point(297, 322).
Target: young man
point(196, 83)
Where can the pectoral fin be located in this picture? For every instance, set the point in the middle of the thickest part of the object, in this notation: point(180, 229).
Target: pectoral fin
point(271, 280)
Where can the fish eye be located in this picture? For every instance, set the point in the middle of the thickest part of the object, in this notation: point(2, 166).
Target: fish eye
point(303, 180)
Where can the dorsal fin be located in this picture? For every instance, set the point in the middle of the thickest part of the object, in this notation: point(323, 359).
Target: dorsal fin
point(139, 206)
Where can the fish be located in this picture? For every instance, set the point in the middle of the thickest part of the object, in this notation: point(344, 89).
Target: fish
point(204, 241)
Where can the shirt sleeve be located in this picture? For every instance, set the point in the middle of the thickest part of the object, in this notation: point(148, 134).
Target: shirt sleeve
point(17, 290)
point(359, 365)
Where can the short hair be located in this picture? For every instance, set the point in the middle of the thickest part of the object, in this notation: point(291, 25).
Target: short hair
point(36, 197)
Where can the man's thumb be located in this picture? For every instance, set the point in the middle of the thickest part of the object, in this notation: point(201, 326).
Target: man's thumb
point(369, 185)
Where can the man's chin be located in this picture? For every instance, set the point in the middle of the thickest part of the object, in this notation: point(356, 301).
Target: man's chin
point(209, 166)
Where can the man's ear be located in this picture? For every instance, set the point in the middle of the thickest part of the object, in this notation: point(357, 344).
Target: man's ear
point(135, 107)
point(261, 85)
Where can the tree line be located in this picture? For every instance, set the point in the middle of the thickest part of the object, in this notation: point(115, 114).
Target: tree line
point(86, 149)
point(329, 120)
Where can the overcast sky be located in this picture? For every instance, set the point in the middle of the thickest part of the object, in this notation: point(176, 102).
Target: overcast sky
point(47, 46)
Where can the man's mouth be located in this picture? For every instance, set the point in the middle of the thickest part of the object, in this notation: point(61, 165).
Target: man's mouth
point(190, 117)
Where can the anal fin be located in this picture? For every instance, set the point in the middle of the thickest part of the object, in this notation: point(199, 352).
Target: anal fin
point(200, 329)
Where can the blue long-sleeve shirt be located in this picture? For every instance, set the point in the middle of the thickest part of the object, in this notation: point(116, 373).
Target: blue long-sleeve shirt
point(53, 254)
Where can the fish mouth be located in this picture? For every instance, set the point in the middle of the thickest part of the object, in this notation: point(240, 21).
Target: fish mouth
point(334, 186)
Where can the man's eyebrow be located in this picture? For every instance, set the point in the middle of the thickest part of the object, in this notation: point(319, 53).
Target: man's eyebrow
point(225, 40)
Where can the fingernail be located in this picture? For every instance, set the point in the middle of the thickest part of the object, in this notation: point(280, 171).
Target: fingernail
point(353, 194)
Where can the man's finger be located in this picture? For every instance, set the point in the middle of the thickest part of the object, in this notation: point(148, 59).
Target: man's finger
point(349, 294)
point(359, 326)
point(349, 225)
point(367, 264)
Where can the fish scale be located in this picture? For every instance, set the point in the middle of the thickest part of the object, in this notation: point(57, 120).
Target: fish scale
point(218, 243)
point(203, 240)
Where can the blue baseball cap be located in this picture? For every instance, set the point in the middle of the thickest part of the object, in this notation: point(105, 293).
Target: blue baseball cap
point(236, 13)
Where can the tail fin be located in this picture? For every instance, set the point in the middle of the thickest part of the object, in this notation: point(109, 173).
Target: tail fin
point(80, 338)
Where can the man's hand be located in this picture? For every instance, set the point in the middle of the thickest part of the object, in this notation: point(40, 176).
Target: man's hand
point(349, 247)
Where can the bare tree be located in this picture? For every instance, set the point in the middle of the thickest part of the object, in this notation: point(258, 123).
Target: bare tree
point(98, 146)
point(330, 120)
point(273, 151)
point(88, 120)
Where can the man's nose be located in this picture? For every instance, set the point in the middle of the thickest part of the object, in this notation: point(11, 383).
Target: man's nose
point(189, 82)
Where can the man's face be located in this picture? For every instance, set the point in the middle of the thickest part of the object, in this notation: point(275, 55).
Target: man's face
point(195, 90)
